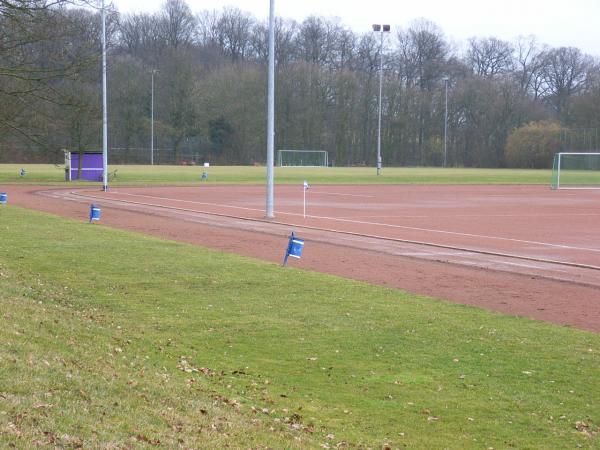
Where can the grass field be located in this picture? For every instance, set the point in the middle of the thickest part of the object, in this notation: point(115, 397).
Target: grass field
point(117, 340)
point(579, 178)
point(9, 173)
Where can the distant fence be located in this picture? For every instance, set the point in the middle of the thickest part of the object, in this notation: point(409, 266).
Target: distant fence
point(580, 139)
point(116, 155)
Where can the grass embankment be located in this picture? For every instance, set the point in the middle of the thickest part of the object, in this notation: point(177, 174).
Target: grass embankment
point(113, 339)
point(39, 173)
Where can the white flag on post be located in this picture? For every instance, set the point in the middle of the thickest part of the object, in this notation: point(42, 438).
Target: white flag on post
point(306, 186)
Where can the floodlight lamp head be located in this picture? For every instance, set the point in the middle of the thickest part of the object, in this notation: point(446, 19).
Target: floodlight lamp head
point(376, 27)
point(386, 28)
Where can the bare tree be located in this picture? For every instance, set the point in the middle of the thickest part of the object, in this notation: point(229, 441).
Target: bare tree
point(236, 29)
point(565, 75)
point(285, 36)
point(529, 66)
point(318, 41)
point(177, 24)
point(140, 36)
point(41, 44)
point(489, 57)
point(422, 60)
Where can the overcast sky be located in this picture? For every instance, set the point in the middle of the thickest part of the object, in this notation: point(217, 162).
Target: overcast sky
point(558, 23)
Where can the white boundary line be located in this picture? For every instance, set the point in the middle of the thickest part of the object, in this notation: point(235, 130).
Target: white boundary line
point(344, 195)
point(350, 233)
point(362, 222)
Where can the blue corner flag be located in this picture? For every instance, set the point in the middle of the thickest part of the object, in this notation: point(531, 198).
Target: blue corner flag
point(95, 212)
point(294, 248)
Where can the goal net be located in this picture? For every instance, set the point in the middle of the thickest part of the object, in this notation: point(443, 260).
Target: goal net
point(576, 171)
point(302, 158)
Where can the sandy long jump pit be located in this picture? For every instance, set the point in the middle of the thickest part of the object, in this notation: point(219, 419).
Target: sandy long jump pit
point(523, 250)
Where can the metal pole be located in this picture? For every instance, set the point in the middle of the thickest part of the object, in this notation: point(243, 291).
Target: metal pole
point(271, 111)
point(380, 93)
point(152, 121)
point(446, 123)
point(104, 107)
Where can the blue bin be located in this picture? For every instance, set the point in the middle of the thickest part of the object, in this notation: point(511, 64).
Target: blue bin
point(95, 212)
point(3, 198)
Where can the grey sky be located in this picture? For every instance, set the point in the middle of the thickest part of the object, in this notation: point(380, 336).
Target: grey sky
point(554, 22)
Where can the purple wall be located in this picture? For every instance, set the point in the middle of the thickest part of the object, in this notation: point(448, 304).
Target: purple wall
point(91, 169)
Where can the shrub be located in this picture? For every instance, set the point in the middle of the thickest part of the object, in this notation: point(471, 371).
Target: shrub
point(533, 145)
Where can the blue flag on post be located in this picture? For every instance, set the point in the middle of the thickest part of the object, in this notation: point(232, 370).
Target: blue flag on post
point(95, 212)
point(294, 248)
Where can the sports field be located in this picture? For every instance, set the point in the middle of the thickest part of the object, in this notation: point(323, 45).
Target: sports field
point(265, 357)
point(529, 223)
point(176, 175)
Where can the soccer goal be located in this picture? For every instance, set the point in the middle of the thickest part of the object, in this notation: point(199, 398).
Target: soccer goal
point(576, 171)
point(302, 158)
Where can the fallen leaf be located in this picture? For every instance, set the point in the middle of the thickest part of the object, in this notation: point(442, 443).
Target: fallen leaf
point(43, 405)
point(142, 438)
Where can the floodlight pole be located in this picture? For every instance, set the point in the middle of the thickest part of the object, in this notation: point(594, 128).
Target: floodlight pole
point(446, 79)
point(152, 72)
point(104, 106)
point(271, 112)
point(380, 29)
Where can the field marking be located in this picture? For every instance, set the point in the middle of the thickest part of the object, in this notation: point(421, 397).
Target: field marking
point(220, 205)
point(476, 216)
point(362, 222)
point(342, 194)
point(455, 233)
point(351, 233)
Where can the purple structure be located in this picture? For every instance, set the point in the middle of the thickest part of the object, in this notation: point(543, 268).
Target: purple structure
point(91, 167)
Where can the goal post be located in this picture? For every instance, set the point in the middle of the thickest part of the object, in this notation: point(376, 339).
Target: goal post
point(302, 158)
point(576, 171)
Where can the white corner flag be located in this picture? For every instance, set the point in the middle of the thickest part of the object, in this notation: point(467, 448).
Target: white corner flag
point(306, 186)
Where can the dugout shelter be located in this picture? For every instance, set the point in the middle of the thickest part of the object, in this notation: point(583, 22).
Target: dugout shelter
point(92, 167)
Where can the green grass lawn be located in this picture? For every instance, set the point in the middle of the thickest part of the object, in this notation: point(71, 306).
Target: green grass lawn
point(40, 173)
point(115, 340)
point(579, 178)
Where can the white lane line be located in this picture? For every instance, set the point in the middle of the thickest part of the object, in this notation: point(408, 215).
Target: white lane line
point(455, 233)
point(449, 216)
point(385, 225)
point(349, 233)
point(341, 194)
point(220, 205)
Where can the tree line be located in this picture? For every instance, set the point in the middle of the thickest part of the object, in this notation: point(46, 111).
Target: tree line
point(210, 89)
